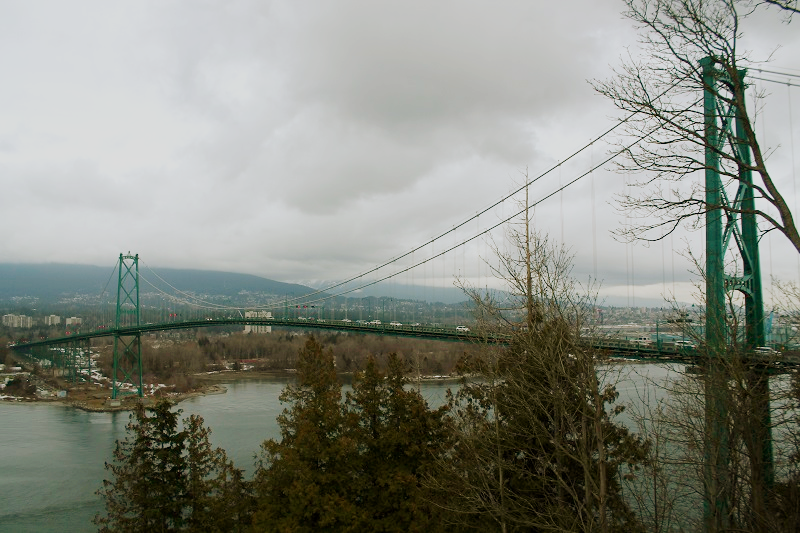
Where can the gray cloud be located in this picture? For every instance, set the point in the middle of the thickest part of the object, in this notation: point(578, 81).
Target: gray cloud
point(305, 141)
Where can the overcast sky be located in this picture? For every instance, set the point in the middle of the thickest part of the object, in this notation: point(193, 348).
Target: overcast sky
point(309, 141)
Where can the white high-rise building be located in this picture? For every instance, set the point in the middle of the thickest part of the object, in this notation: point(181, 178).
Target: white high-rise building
point(17, 321)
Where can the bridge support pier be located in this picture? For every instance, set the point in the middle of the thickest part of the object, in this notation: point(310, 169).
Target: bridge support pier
point(78, 361)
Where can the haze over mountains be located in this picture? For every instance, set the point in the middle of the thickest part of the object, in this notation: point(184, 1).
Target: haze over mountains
point(54, 281)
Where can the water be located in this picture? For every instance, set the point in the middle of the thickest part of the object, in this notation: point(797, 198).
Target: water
point(52, 457)
point(51, 461)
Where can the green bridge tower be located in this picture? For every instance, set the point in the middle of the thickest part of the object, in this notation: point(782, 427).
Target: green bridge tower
point(127, 348)
point(726, 147)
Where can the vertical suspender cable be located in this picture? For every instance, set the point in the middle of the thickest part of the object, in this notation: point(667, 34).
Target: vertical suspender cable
point(672, 255)
point(627, 246)
point(594, 219)
point(633, 276)
point(663, 269)
point(561, 195)
point(763, 117)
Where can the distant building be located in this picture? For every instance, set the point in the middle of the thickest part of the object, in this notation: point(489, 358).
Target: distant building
point(17, 321)
point(258, 328)
point(52, 320)
point(74, 321)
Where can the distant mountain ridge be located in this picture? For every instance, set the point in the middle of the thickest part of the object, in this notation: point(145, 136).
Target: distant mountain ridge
point(51, 281)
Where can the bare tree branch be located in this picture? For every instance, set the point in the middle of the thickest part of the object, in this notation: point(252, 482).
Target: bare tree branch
point(787, 5)
point(663, 92)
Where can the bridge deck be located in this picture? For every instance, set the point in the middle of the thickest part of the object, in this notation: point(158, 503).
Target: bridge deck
point(615, 347)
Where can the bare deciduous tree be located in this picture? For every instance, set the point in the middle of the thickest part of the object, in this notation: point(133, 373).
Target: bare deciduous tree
point(737, 455)
point(662, 93)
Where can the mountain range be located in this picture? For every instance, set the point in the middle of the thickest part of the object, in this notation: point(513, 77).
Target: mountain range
point(51, 282)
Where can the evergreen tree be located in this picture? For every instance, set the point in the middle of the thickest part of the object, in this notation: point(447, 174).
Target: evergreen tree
point(233, 503)
point(201, 461)
point(164, 479)
point(217, 499)
point(397, 437)
point(148, 489)
point(304, 482)
point(786, 515)
point(355, 465)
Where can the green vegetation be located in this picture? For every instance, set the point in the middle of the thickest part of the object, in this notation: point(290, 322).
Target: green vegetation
point(355, 464)
point(176, 362)
point(166, 479)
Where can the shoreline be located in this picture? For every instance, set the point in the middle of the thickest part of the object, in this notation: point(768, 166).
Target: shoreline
point(210, 383)
point(126, 403)
point(245, 375)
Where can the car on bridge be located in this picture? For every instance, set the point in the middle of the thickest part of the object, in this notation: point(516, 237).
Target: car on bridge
point(765, 350)
point(395, 324)
point(462, 329)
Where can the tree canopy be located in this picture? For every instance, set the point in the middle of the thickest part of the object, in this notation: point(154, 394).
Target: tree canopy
point(170, 479)
point(347, 463)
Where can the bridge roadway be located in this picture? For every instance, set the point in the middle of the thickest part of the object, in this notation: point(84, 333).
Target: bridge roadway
point(421, 331)
point(662, 352)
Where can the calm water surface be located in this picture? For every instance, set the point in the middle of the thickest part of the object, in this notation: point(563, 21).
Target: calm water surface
point(52, 457)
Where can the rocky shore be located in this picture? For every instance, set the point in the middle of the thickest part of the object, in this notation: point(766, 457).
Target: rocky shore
point(98, 399)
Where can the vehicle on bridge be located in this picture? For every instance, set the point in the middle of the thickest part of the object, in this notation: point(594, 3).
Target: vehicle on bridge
point(766, 350)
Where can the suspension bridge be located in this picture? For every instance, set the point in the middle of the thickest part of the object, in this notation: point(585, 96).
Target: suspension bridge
point(731, 237)
point(130, 318)
point(724, 227)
